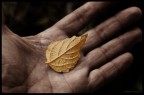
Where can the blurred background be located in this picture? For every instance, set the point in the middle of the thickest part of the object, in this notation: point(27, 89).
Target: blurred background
point(30, 18)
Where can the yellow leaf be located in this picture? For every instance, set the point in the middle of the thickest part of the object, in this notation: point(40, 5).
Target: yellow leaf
point(63, 55)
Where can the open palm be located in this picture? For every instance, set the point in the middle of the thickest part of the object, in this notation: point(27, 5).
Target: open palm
point(103, 56)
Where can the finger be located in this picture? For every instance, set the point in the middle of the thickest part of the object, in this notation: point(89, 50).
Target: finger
point(110, 27)
point(113, 48)
point(107, 72)
point(78, 19)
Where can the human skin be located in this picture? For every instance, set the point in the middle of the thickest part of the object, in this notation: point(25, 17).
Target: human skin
point(103, 57)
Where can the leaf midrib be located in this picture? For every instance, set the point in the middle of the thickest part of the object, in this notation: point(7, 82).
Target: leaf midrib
point(65, 51)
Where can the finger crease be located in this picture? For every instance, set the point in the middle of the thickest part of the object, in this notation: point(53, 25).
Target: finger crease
point(119, 22)
point(103, 51)
point(120, 40)
point(98, 34)
point(115, 67)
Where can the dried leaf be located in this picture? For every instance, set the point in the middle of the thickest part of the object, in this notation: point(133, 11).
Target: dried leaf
point(63, 55)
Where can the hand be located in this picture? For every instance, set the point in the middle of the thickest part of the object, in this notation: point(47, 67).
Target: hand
point(104, 55)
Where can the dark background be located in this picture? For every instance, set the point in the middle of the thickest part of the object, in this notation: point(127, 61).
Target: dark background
point(30, 18)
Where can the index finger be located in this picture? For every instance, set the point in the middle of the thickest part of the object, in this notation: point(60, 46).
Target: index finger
point(74, 22)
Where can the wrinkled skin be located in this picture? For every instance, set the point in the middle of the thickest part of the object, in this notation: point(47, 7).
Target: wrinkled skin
point(103, 57)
